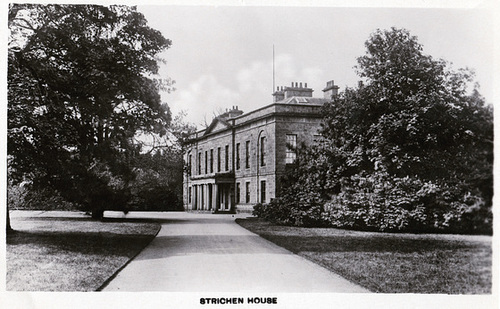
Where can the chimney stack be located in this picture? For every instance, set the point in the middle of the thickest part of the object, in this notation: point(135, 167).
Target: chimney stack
point(231, 113)
point(279, 94)
point(331, 90)
point(297, 89)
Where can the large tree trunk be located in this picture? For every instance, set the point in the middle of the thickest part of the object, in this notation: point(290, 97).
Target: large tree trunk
point(8, 227)
point(97, 212)
point(98, 202)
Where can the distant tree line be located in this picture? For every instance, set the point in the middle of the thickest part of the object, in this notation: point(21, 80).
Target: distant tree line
point(409, 149)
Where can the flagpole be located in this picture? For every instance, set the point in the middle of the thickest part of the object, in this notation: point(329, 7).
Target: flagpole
point(273, 73)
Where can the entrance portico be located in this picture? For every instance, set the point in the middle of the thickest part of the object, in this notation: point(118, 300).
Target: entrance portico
point(214, 194)
point(224, 186)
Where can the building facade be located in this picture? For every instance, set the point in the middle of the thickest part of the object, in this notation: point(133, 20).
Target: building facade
point(237, 161)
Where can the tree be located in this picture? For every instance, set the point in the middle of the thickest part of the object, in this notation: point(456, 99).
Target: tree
point(409, 149)
point(80, 87)
point(159, 168)
point(413, 121)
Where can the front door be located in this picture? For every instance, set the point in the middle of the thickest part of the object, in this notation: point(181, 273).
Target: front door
point(224, 197)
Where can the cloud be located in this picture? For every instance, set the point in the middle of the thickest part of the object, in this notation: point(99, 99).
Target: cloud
point(256, 76)
point(202, 99)
point(286, 69)
point(251, 88)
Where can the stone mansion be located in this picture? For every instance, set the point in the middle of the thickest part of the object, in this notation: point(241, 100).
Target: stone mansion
point(237, 161)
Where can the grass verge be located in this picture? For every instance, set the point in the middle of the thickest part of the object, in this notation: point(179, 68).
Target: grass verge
point(71, 253)
point(390, 263)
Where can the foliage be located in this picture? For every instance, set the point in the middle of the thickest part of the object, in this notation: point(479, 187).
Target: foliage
point(384, 203)
point(80, 87)
point(409, 149)
point(301, 200)
point(21, 198)
point(158, 184)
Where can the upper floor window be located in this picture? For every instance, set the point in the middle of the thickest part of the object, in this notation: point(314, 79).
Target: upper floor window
point(206, 162)
point(291, 148)
point(227, 158)
point(218, 159)
point(247, 154)
point(211, 160)
point(263, 151)
point(199, 163)
point(238, 156)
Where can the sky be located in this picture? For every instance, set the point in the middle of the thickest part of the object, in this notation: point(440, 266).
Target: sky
point(222, 56)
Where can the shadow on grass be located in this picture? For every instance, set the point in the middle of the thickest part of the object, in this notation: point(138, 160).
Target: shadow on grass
point(389, 262)
point(81, 242)
point(335, 240)
point(57, 254)
point(371, 244)
point(89, 219)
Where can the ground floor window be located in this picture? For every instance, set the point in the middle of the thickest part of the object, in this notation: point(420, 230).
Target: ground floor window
point(263, 191)
point(202, 194)
point(195, 192)
point(247, 192)
point(291, 148)
point(238, 192)
point(189, 195)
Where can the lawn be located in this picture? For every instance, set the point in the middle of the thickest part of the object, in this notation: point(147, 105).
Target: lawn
point(71, 253)
point(390, 263)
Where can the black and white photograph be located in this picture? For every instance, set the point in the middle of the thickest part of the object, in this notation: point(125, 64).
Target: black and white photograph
point(316, 154)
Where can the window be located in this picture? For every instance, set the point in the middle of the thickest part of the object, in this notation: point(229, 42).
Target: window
point(238, 192)
point(247, 192)
point(206, 162)
point(202, 196)
point(227, 158)
point(247, 154)
point(263, 191)
point(218, 159)
point(199, 163)
point(211, 160)
point(195, 197)
point(291, 146)
point(238, 156)
point(189, 195)
point(189, 167)
point(263, 151)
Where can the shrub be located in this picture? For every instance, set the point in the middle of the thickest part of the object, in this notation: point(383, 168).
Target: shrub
point(158, 198)
point(378, 202)
point(275, 211)
point(297, 207)
point(23, 198)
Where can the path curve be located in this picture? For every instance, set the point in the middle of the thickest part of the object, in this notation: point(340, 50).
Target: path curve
point(196, 252)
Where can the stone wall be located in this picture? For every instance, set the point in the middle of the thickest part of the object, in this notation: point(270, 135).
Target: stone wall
point(273, 123)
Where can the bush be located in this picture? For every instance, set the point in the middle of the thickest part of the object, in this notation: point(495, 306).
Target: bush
point(378, 202)
point(275, 211)
point(23, 198)
point(296, 208)
point(158, 198)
